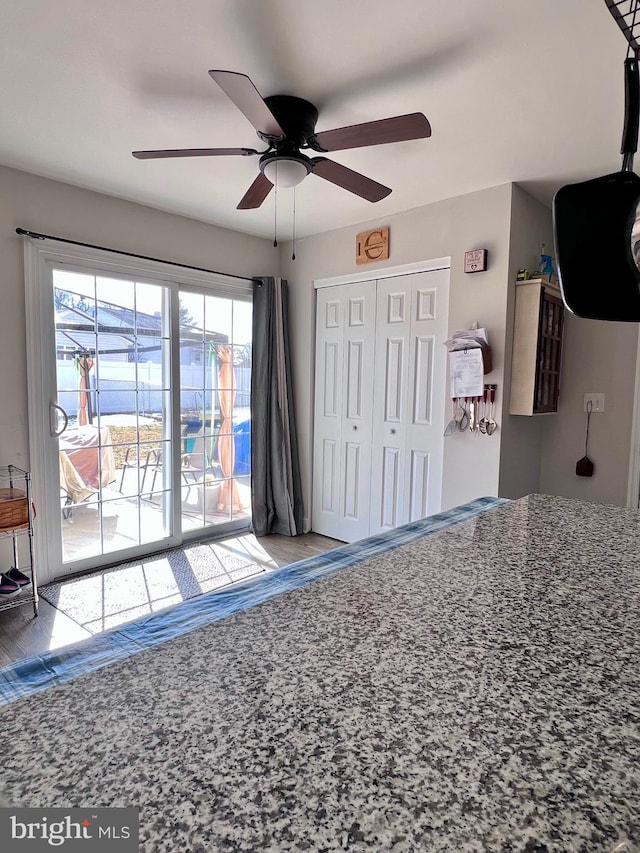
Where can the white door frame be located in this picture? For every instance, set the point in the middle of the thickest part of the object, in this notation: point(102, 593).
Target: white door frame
point(386, 272)
point(346, 317)
point(367, 274)
point(633, 485)
point(39, 256)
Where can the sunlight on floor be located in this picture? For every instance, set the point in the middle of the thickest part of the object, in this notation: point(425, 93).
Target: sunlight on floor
point(115, 596)
point(65, 632)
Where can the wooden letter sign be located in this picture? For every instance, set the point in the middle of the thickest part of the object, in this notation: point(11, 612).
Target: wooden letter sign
point(372, 246)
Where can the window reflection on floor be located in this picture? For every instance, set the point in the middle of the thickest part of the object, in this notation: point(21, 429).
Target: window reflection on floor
point(118, 595)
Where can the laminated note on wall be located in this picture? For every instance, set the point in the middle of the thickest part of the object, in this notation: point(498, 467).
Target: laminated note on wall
point(466, 372)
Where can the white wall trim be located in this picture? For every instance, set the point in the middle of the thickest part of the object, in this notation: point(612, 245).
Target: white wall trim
point(633, 487)
point(384, 272)
point(83, 257)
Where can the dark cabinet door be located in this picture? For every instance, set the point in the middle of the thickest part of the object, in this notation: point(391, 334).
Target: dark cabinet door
point(549, 355)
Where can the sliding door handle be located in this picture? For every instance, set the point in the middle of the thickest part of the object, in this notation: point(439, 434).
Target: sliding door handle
point(54, 420)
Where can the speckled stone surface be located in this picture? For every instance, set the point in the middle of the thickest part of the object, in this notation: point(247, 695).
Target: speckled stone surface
point(475, 691)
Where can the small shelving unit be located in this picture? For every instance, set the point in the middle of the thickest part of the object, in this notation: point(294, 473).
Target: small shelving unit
point(16, 524)
point(537, 349)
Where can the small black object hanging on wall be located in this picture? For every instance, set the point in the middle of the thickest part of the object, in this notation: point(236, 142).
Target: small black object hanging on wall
point(584, 466)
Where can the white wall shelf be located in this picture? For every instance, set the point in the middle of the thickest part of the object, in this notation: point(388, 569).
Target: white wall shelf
point(537, 349)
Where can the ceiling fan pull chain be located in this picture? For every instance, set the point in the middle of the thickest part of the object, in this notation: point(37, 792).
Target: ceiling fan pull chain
point(293, 253)
point(275, 211)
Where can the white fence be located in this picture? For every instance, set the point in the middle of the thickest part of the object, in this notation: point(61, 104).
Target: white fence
point(127, 388)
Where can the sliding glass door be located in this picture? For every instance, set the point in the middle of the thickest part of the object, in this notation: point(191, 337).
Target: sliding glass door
point(215, 417)
point(113, 386)
point(144, 396)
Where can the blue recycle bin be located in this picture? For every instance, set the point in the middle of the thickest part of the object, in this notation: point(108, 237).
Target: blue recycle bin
point(192, 427)
point(242, 447)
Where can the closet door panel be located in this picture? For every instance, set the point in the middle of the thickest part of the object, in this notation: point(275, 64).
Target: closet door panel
point(419, 485)
point(393, 325)
point(424, 443)
point(390, 476)
point(357, 389)
point(328, 410)
point(355, 380)
point(422, 379)
point(331, 374)
point(393, 380)
point(380, 403)
point(352, 477)
point(329, 470)
point(345, 326)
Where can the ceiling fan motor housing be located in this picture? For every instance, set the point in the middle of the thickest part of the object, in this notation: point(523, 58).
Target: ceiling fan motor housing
point(284, 163)
point(295, 116)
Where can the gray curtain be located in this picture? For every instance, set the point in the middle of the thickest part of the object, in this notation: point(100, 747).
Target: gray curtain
point(276, 491)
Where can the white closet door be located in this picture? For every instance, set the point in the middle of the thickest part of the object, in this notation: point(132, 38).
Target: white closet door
point(408, 409)
point(393, 328)
point(345, 336)
point(426, 399)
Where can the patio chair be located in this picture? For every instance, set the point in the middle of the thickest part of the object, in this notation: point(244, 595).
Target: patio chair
point(66, 502)
point(196, 463)
point(151, 461)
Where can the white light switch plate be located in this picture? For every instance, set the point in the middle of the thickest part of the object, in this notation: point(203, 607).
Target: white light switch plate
point(597, 401)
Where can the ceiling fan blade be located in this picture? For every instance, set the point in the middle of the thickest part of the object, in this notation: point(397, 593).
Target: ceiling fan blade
point(256, 193)
point(349, 180)
point(192, 152)
point(248, 100)
point(397, 129)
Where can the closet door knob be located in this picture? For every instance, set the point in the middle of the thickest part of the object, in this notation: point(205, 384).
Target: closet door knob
point(355, 427)
point(392, 431)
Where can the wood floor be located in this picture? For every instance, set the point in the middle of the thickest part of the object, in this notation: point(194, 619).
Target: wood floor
point(22, 635)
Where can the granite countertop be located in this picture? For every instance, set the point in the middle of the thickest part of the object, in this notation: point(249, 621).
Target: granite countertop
point(478, 690)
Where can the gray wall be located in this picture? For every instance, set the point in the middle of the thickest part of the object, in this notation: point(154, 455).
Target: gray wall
point(524, 455)
point(540, 453)
point(51, 207)
point(598, 356)
point(521, 436)
point(447, 228)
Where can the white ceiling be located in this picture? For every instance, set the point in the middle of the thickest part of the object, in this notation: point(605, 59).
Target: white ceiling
point(515, 90)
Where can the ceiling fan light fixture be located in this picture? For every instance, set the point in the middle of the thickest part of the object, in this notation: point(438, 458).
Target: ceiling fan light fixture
point(285, 171)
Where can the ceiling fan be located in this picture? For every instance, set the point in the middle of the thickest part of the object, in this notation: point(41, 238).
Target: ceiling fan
point(286, 124)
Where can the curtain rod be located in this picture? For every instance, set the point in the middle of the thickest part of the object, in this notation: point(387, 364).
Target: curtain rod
point(24, 233)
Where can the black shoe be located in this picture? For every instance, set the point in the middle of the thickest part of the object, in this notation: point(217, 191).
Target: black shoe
point(8, 588)
point(18, 577)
